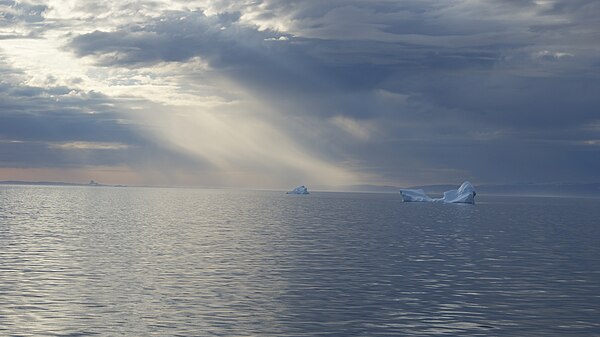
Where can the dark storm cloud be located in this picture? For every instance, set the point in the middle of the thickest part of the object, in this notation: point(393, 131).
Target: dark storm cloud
point(62, 127)
point(35, 121)
point(232, 48)
point(177, 36)
point(297, 68)
point(58, 114)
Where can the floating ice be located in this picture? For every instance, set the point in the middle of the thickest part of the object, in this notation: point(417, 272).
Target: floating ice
point(299, 190)
point(464, 194)
point(414, 195)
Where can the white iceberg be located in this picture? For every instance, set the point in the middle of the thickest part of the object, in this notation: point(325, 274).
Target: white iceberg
point(464, 194)
point(299, 190)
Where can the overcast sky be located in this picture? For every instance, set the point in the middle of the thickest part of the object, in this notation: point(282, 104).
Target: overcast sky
point(278, 93)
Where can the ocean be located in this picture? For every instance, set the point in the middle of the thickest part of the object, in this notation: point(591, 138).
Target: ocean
point(105, 261)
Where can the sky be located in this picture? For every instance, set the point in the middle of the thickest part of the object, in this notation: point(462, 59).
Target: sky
point(279, 93)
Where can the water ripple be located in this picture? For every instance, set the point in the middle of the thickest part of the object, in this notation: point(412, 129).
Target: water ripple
point(78, 261)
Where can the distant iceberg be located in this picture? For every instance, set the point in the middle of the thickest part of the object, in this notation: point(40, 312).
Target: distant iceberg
point(299, 190)
point(464, 194)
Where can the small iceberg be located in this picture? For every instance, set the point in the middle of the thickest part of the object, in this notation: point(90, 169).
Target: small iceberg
point(299, 190)
point(465, 194)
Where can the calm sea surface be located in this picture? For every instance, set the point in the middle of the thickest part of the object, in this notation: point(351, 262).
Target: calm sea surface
point(82, 261)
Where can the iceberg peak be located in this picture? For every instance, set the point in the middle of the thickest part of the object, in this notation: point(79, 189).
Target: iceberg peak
point(464, 194)
point(299, 190)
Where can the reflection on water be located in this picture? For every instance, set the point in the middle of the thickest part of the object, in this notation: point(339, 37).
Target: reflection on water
point(78, 261)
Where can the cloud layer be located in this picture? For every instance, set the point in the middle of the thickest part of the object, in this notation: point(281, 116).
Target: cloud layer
point(273, 93)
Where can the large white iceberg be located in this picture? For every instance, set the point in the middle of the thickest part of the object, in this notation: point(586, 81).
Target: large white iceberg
point(299, 190)
point(464, 194)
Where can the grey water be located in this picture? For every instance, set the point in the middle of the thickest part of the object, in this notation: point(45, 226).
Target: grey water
point(85, 261)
